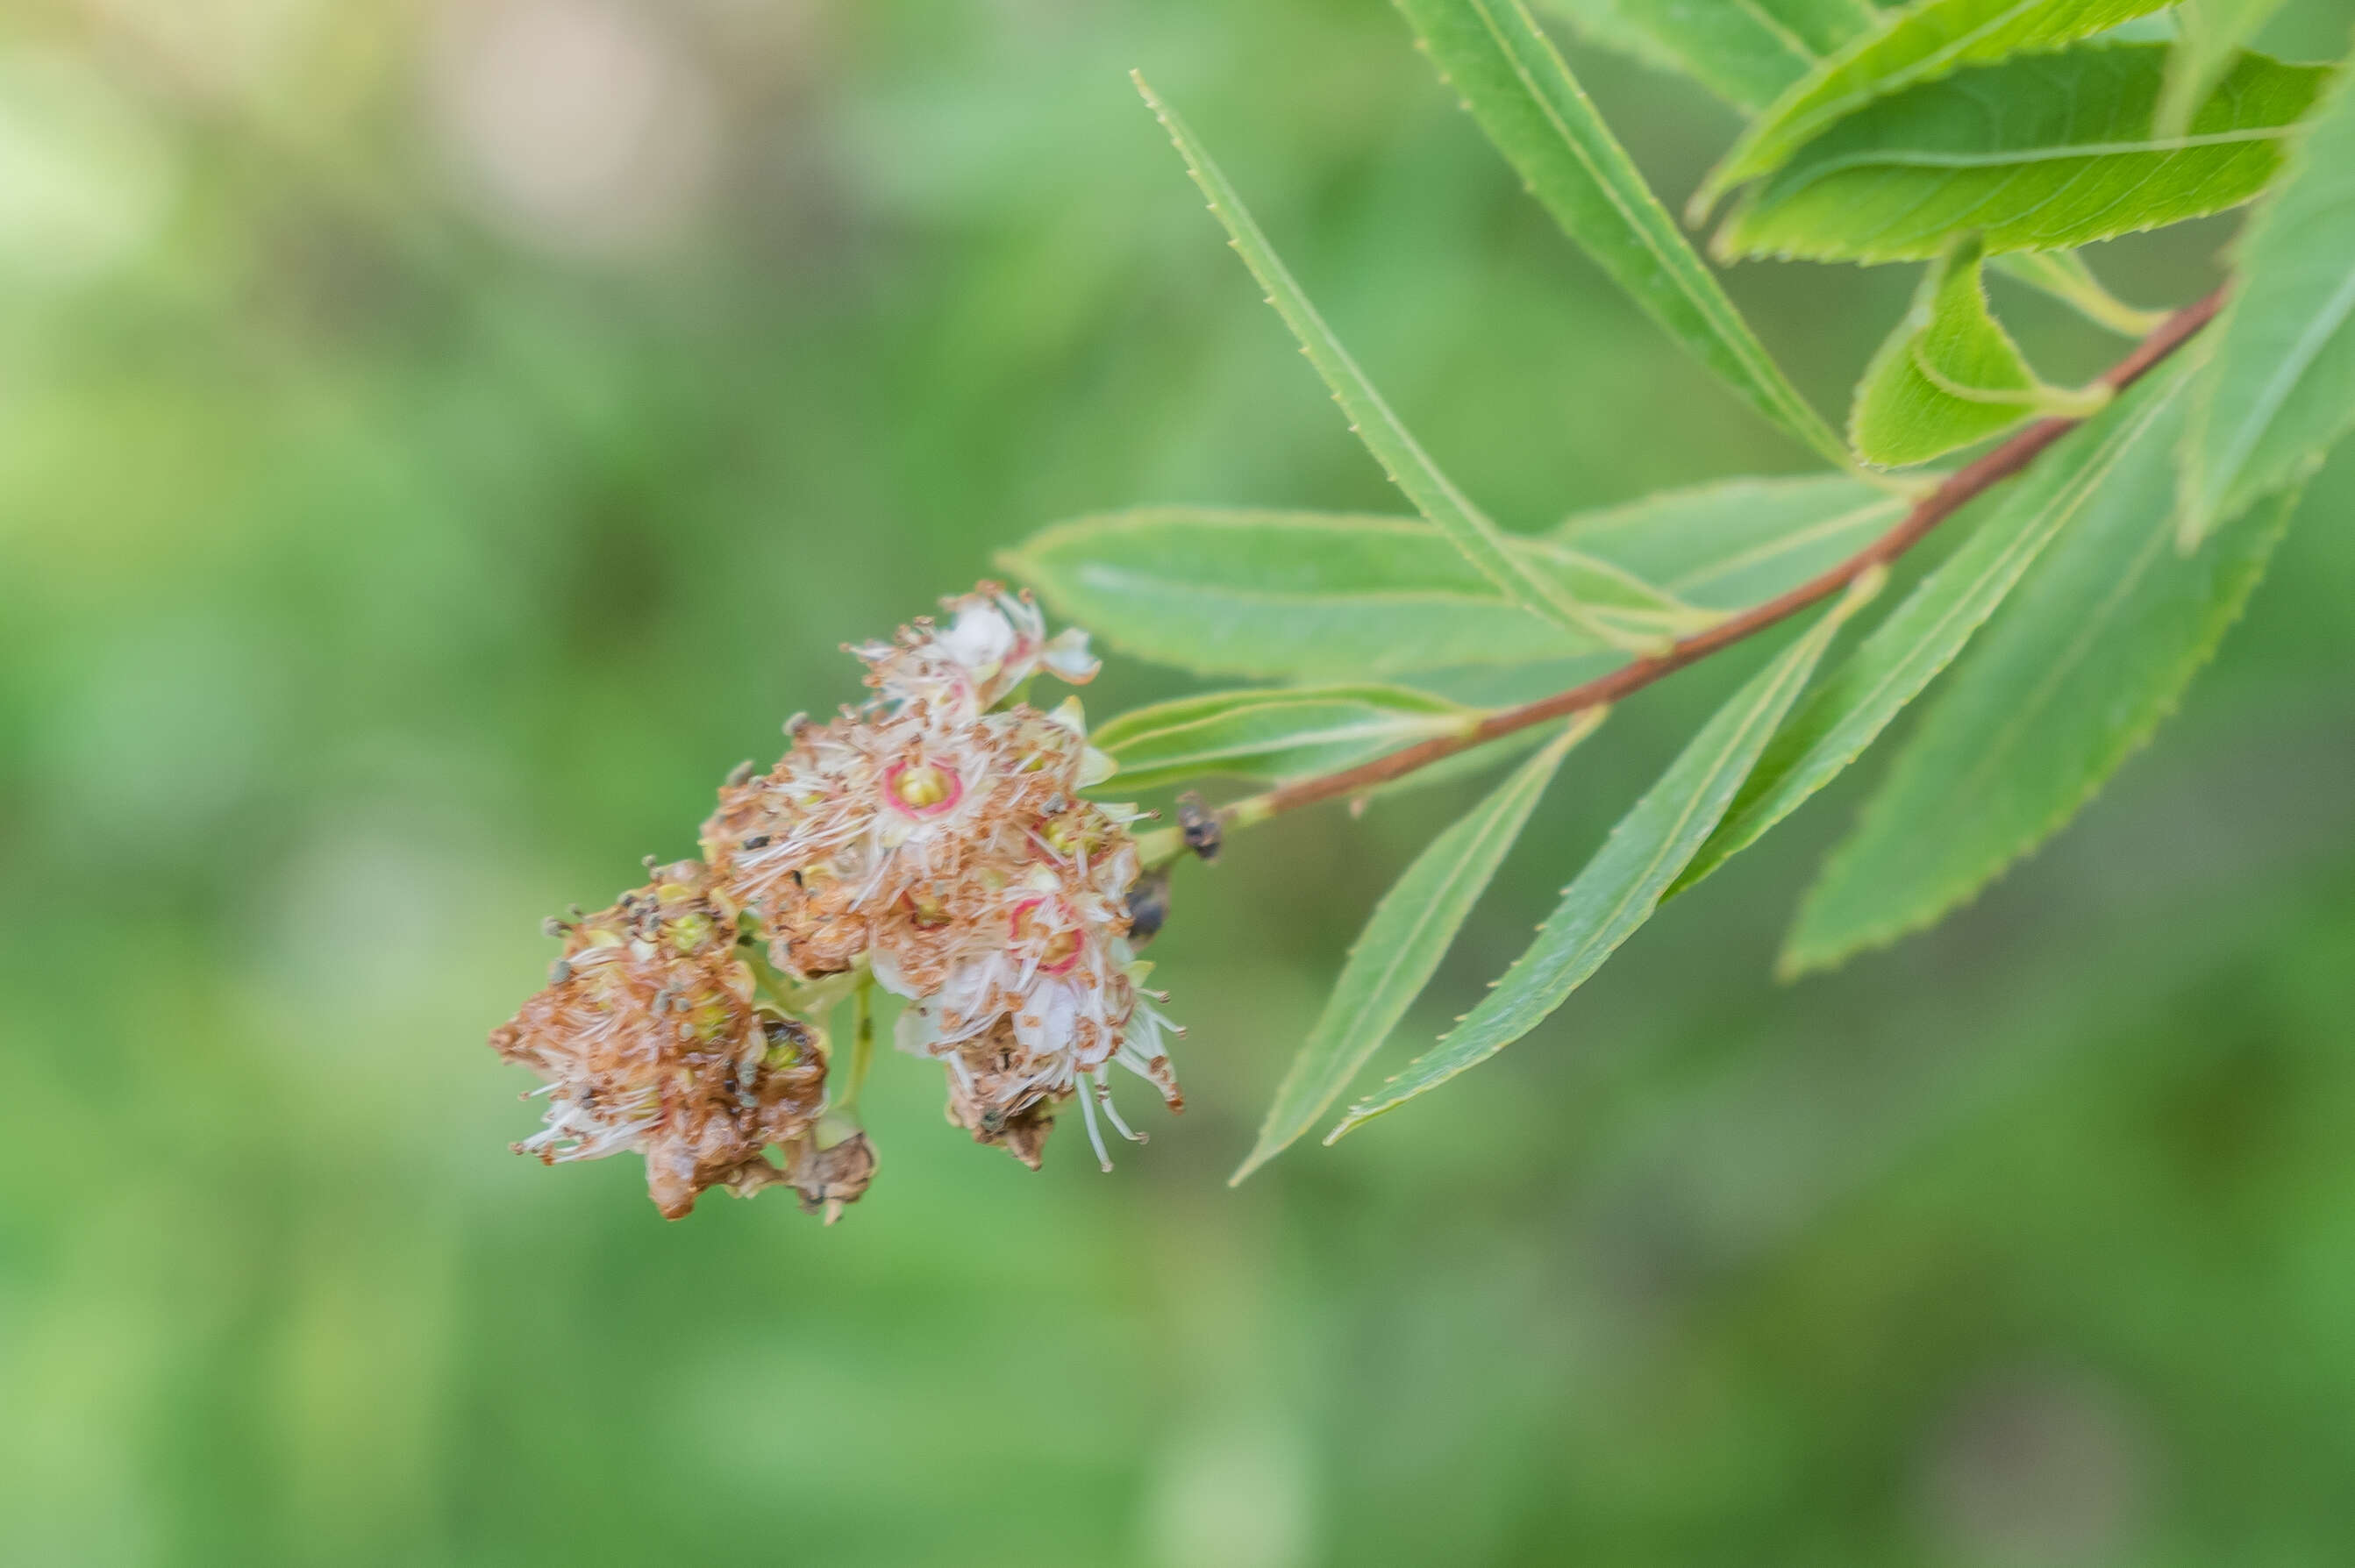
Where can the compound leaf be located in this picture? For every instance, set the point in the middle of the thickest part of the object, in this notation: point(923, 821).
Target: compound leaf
point(2279, 388)
point(1517, 87)
point(2038, 153)
point(1918, 45)
point(1620, 887)
point(1949, 375)
point(1273, 733)
point(1921, 636)
point(1409, 932)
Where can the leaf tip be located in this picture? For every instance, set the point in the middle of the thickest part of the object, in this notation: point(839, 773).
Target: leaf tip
point(1698, 206)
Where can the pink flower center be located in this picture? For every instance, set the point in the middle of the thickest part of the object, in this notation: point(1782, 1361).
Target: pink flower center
point(923, 789)
point(1059, 943)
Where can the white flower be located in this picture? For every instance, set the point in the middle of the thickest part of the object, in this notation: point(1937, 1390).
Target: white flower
point(994, 641)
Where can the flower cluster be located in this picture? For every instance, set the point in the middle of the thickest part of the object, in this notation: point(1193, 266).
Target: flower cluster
point(933, 838)
point(648, 1036)
point(938, 834)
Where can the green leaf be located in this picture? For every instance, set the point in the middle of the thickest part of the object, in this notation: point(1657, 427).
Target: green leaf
point(1921, 636)
point(1317, 595)
point(2210, 33)
point(2089, 656)
point(1949, 375)
point(2279, 388)
point(1485, 757)
point(1623, 884)
point(1737, 542)
point(1920, 45)
point(1273, 733)
point(1370, 419)
point(1394, 958)
point(1515, 84)
point(2041, 153)
point(1745, 52)
point(2064, 275)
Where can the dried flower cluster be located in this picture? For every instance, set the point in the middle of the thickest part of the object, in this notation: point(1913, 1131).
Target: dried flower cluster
point(933, 839)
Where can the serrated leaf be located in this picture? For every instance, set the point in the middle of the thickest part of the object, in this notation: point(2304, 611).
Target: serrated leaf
point(1744, 51)
point(1736, 542)
point(1408, 934)
point(1402, 458)
point(1276, 732)
point(1921, 636)
point(2209, 33)
point(1317, 595)
point(2064, 275)
point(1620, 887)
point(2279, 387)
point(2045, 151)
point(1949, 375)
point(2084, 661)
point(1919, 45)
point(1517, 86)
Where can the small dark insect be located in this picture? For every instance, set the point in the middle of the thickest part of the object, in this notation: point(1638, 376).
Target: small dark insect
point(1201, 826)
point(1148, 906)
point(783, 1030)
point(758, 841)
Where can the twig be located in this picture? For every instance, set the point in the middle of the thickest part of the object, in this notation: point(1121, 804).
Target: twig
point(1959, 487)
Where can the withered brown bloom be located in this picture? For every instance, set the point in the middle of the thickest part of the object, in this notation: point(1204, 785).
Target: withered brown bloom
point(933, 842)
point(648, 1037)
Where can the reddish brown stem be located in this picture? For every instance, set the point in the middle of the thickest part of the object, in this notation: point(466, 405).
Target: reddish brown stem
point(1959, 488)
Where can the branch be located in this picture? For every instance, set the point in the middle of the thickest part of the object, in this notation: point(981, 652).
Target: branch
point(1960, 487)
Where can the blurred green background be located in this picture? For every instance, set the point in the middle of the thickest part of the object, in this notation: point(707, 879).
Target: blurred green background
point(437, 442)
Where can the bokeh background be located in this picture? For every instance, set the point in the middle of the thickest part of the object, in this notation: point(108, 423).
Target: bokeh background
point(436, 442)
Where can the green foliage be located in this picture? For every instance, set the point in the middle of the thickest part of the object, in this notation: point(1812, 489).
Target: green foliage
point(1958, 131)
point(2280, 383)
point(1921, 637)
point(2048, 151)
point(1515, 85)
point(1919, 45)
point(1275, 733)
point(1407, 936)
point(1370, 419)
point(1736, 542)
point(2211, 32)
point(2064, 275)
point(1949, 375)
point(2088, 655)
point(1319, 595)
point(1620, 887)
point(1746, 52)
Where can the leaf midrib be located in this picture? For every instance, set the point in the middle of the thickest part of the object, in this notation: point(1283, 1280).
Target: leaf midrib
point(2292, 370)
point(1903, 158)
